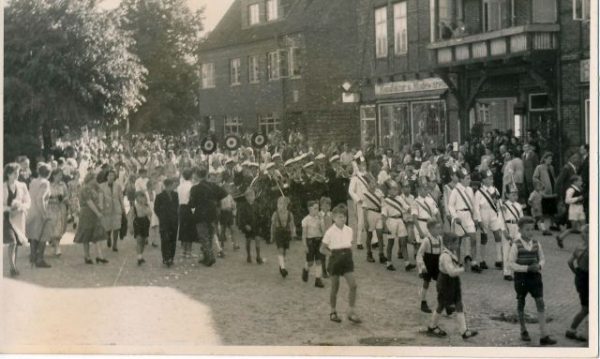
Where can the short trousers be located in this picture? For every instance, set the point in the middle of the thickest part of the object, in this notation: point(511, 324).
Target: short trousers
point(449, 291)
point(226, 218)
point(373, 220)
point(490, 221)
point(432, 262)
point(314, 250)
point(528, 283)
point(467, 225)
point(340, 262)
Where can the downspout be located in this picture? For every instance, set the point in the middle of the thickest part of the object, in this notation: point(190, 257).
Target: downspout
point(559, 87)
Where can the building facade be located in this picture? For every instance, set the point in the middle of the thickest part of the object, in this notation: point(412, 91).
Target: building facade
point(437, 69)
point(281, 65)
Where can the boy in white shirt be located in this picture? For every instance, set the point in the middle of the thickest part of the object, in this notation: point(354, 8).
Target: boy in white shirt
point(337, 244)
point(312, 234)
point(488, 204)
point(512, 212)
point(428, 259)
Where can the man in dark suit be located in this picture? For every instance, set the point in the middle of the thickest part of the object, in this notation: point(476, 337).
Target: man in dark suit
point(530, 162)
point(205, 198)
point(166, 207)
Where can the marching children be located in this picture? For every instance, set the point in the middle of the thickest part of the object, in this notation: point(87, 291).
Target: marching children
point(312, 234)
point(165, 207)
point(512, 212)
point(247, 220)
point(487, 204)
point(574, 199)
point(426, 211)
point(391, 211)
point(283, 230)
point(464, 216)
point(526, 259)
point(407, 237)
point(579, 265)
point(449, 295)
point(337, 244)
point(327, 219)
point(428, 259)
point(141, 223)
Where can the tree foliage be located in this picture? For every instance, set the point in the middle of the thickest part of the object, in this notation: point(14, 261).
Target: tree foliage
point(66, 64)
point(167, 34)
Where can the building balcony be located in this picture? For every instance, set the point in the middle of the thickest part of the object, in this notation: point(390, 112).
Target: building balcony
point(501, 44)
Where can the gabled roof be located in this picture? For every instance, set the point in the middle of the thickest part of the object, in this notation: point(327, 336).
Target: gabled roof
point(300, 15)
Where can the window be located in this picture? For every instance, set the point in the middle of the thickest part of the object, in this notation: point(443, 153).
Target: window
point(295, 62)
point(253, 14)
point(581, 10)
point(400, 28)
point(233, 125)
point(253, 69)
point(544, 11)
point(381, 41)
point(208, 75)
point(234, 73)
point(272, 10)
point(496, 14)
point(483, 110)
point(539, 102)
point(273, 65)
point(268, 123)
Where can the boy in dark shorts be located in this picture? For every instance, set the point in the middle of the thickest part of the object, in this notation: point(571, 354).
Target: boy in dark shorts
point(337, 244)
point(579, 264)
point(526, 259)
point(283, 230)
point(428, 259)
point(248, 223)
point(449, 295)
point(312, 234)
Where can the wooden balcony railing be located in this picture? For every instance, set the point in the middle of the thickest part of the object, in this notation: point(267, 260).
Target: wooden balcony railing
point(513, 41)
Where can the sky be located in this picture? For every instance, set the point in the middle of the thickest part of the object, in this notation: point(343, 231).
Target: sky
point(214, 9)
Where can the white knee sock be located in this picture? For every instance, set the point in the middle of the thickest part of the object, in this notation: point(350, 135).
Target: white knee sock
point(498, 251)
point(318, 271)
point(435, 319)
point(462, 322)
point(423, 294)
point(281, 261)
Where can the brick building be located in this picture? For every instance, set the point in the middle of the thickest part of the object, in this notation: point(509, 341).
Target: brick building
point(432, 69)
point(280, 65)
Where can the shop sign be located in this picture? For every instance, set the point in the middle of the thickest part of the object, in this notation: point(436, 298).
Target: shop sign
point(391, 88)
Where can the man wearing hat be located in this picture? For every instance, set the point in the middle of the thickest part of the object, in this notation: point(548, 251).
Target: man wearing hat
point(488, 204)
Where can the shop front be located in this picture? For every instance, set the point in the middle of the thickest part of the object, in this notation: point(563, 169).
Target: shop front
point(406, 113)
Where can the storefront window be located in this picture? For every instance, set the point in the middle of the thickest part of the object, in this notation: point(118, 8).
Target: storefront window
point(394, 128)
point(495, 114)
point(368, 125)
point(429, 123)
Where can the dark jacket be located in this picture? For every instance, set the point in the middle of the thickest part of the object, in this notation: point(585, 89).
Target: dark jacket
point(166, 208)
point(205, 198)
point(564, 180)
point(247, 214)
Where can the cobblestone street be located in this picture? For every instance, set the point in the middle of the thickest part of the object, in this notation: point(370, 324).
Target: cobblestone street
point(236, 303)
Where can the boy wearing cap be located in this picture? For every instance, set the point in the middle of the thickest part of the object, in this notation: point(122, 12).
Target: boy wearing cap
point(463, 214)
point(487, 203)
point(526, 259)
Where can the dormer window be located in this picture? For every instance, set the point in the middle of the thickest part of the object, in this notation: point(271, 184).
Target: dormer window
point(272, 10)
point(254, 14)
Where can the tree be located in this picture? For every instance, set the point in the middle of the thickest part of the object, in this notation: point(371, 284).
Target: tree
point(66, 64)
point(167, 34)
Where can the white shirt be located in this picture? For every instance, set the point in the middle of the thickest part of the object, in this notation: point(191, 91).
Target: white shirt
point(482, 204)
point(456, 202)
point(426, 208)
point(448, 264)
point(356, 188)
point(183, 191)
point(141, 184)
point(336, 238)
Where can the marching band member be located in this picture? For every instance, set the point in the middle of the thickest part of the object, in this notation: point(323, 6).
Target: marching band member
point(512, 212)
point(487, 203)
point(464, 215)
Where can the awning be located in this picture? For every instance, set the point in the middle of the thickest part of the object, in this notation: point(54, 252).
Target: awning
point(417, 95)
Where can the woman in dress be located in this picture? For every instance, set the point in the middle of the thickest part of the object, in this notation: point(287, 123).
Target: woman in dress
point(16, 203)
point(112, 210)
point(90, 228)
point(57, 209)
point(544, 173)
point(38, 231)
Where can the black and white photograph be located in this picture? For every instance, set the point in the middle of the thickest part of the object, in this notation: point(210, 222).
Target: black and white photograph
point(314, 177)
